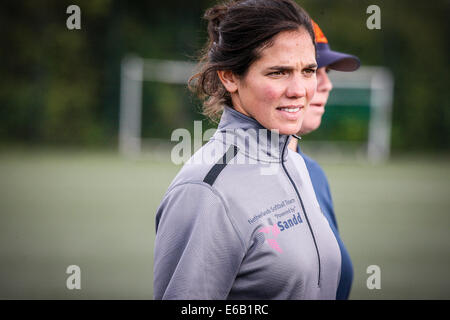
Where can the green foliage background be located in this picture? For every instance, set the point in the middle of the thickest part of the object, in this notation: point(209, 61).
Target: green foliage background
point(61, 86)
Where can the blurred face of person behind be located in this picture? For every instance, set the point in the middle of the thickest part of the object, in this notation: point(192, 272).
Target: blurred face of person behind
point(327, 59)
point(313, 115)
point(278, 87)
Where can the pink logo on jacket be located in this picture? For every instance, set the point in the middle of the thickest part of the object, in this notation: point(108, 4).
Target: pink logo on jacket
point(275, 232)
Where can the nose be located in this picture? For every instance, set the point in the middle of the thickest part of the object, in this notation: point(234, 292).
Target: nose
point(296, 88)
point(323, 81)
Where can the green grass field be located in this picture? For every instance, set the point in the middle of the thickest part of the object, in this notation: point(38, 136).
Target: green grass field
point(96, 210)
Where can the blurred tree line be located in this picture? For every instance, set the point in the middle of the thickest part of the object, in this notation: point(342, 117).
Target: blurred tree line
point(61, 86)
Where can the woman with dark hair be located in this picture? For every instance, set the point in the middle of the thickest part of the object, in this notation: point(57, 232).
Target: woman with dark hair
point(247, 225)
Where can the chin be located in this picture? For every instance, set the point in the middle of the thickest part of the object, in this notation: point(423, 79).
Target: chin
point(290, 129)
point(308, 127)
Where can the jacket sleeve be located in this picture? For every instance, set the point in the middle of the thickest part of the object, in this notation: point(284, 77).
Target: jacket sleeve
point(198, 251)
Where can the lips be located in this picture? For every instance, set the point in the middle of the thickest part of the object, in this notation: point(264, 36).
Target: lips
point(290, 113)
point(289, 109)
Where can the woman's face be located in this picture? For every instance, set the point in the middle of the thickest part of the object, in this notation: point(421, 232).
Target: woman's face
point(278, 87)
point(313, 115)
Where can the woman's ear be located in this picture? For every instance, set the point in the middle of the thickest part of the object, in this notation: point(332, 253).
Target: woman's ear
point(229, 80)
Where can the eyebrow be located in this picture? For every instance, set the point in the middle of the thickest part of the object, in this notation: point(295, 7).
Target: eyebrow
point(309, 66)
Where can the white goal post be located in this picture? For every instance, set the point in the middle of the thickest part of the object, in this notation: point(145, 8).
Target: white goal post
point(135, 70)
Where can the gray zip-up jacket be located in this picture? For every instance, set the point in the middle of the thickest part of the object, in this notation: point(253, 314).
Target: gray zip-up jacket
point(241, 221)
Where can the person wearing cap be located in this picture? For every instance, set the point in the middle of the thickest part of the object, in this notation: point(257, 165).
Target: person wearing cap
point(327, 59)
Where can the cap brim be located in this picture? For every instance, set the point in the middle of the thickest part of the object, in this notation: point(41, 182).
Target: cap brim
point(337, 61)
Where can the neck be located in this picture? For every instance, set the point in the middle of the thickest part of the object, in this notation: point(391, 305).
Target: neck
point(251, 138)
point(293, 144)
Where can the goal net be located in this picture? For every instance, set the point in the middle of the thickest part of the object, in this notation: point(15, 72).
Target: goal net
point(358, 112)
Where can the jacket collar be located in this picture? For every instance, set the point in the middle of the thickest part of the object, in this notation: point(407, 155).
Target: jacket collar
point(251, 138)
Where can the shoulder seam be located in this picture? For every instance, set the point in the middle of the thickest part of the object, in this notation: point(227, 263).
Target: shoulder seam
point(220, 165)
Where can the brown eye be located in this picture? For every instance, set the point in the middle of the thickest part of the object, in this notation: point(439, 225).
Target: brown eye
point(277, 73)
point(310, 71)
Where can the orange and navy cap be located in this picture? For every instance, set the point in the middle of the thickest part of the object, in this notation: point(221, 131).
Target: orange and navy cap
point(332, 59)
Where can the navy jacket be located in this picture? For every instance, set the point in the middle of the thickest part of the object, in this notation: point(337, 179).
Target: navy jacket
point(323, 195)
